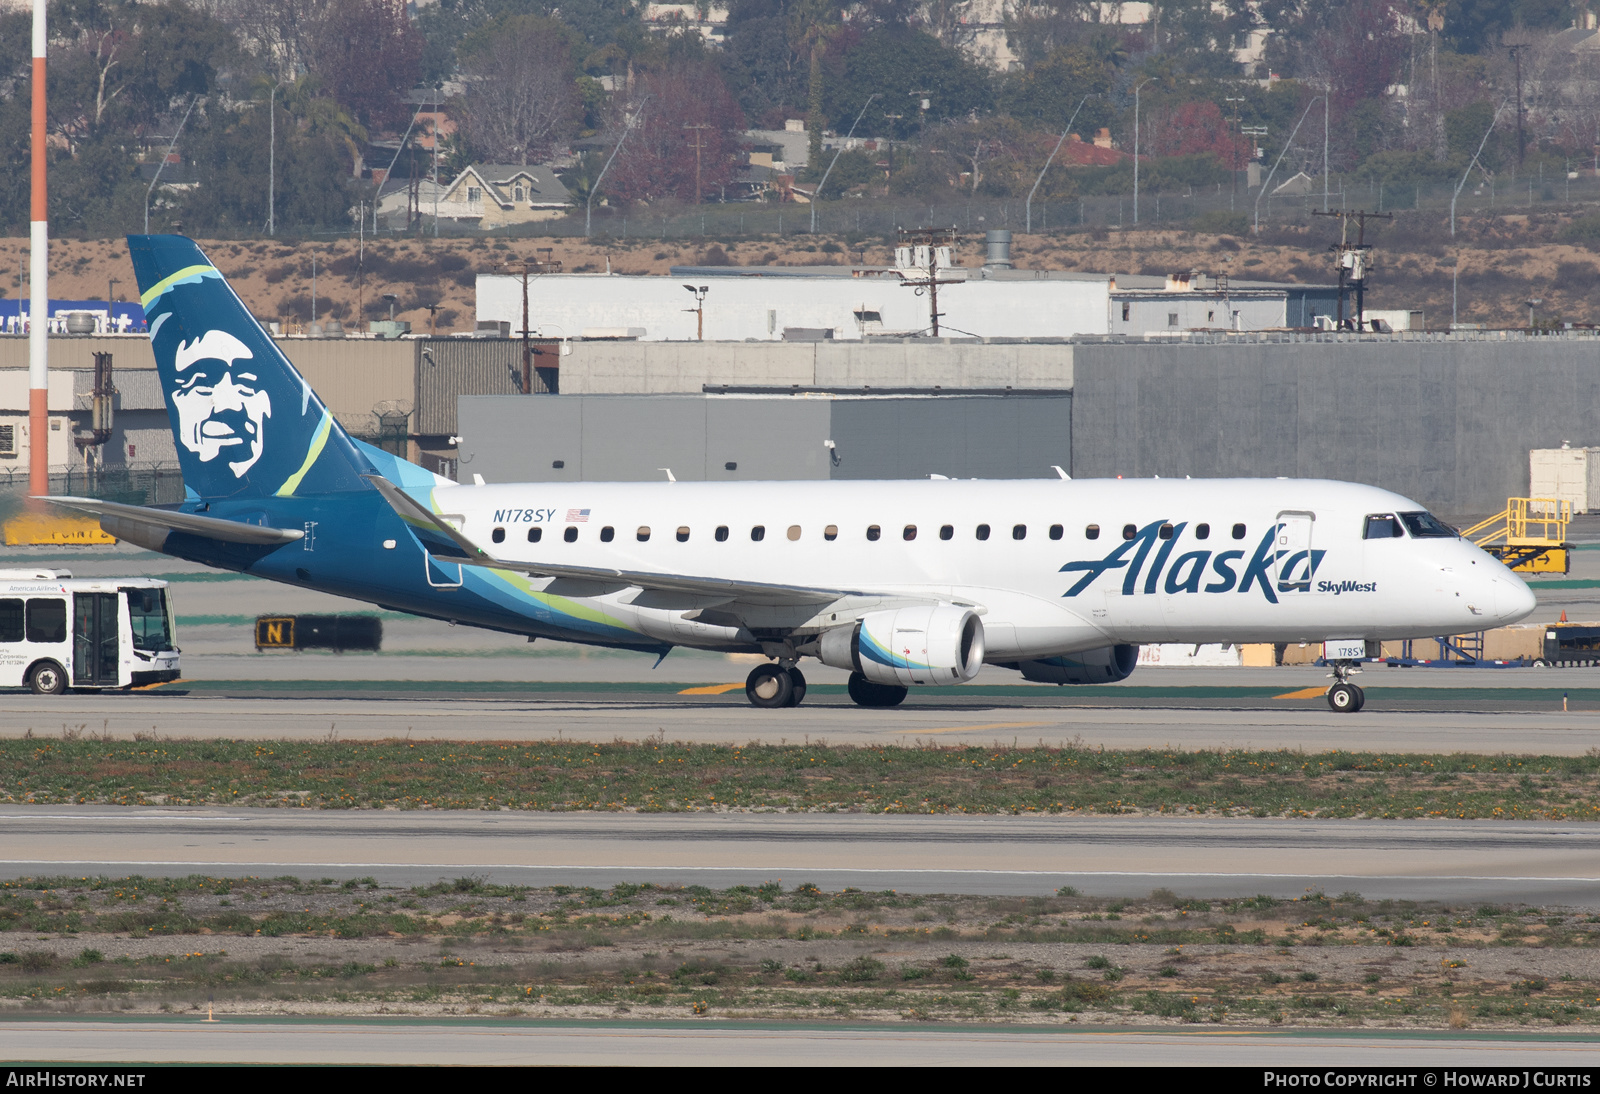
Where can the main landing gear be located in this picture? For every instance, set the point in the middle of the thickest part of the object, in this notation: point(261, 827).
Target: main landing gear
point(775, 686)
point(1345, 697)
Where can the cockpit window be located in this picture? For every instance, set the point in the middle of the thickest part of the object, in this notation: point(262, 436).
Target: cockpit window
point(1427, 526)
point(1382, 526)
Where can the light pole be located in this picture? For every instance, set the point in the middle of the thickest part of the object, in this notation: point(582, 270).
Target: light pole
point(272, 161)
point(1051, 160)
point(1136, 88)
point(1470, 166)
point(699, 310)
point(628, 122)
point(1286, 146)
point(162, 165)
point(836, 153)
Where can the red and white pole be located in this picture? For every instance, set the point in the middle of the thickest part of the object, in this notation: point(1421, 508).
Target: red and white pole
point(38, 282)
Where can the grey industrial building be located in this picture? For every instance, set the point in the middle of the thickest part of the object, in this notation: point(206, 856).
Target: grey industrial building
point(1446, 418)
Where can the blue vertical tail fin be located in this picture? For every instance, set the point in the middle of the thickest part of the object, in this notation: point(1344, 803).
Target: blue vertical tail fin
point(245, 422)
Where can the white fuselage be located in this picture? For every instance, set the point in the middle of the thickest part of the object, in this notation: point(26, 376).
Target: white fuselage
point(1221, 560)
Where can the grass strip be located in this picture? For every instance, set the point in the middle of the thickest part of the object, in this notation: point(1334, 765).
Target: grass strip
point(259, 946)
point(658, 776)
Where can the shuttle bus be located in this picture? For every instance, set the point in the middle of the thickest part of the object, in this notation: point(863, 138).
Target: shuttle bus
point(58, 633)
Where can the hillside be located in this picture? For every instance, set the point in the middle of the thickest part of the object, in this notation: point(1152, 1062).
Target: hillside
point(1504, 262)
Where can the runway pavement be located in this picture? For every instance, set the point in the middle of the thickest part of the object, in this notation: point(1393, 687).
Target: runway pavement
point(1496, 861)
point(1154, 718)
point(490, 1043)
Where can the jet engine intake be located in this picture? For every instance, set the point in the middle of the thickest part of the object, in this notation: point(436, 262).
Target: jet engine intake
point(921, 645)
point(1105, 665)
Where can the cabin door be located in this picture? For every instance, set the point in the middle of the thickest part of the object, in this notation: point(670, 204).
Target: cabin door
point(94, 640)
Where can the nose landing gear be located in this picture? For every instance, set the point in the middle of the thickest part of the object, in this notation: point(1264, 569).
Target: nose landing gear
point(1345, 697)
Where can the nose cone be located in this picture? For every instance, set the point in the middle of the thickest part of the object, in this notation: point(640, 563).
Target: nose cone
point(1513, 600)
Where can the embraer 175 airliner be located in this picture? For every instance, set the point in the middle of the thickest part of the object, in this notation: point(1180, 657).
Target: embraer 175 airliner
point(900, 583)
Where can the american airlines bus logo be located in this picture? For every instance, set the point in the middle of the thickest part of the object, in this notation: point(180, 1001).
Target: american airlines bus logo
point(1271, 571)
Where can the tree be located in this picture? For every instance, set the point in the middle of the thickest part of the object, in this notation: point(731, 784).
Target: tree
point(659, 159)
point(1048, 92)
point(231, 149)
point(121, 65)
point(1197, 128)
point(902, 66)
point(368, 55)
point(521, 96)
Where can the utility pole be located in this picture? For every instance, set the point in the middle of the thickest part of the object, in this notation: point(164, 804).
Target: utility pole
point(272, 161)
point(697, 128)
point(435, 161)
point(891, 119)
point(1516, 55)
point(919, 250)
point(522, 271)
point(1239, 129)
point(1136, 88)
point(1353, 260)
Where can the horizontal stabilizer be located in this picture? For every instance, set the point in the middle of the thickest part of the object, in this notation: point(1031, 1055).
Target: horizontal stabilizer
point(135, 523)
point(432, 528)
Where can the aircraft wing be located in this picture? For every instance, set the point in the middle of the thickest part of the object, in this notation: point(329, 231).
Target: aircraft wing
point(129, 521)
point(443, 540)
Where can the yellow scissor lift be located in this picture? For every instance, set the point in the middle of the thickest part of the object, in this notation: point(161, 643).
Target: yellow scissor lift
point(1529, 535)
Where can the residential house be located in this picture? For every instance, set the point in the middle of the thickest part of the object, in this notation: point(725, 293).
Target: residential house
point(485, 195)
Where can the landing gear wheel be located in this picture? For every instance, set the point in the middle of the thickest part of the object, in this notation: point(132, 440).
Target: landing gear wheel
point(1540, 663)
point(1361, 697)
point(867, 694)
point(798, 681)
point(769, 686)
point(1344, 698)
point(47, 678)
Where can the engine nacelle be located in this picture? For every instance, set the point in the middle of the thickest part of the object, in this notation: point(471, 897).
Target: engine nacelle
point(1106, 665)
point(923, 645)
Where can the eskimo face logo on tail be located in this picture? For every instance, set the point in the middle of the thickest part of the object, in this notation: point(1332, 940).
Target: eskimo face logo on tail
point(221, 407)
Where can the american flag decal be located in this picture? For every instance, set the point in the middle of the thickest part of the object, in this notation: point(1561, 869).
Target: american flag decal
point(577, 516)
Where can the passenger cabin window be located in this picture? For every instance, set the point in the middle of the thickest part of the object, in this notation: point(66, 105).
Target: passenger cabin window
point(1165, 531)
point(535, 535)
point(831, 532)
point(11, 620)
point(570, 535)
point(1238, 531)
point(873, 531)
point(1091, 532)
point(758, 533)
point(498, 535)
point(683, 534)
point(1427, 526)
point(1202, 531)
point(1056, 531)
point(910, 533)
point(47, 620)
point(607, 534)
point(1382, 526)
point(1129, 532)
point(983, 531)
point(643, 534)
point(1019, 531)
point(721, 534)
point(947, 531)
point(794, 533)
